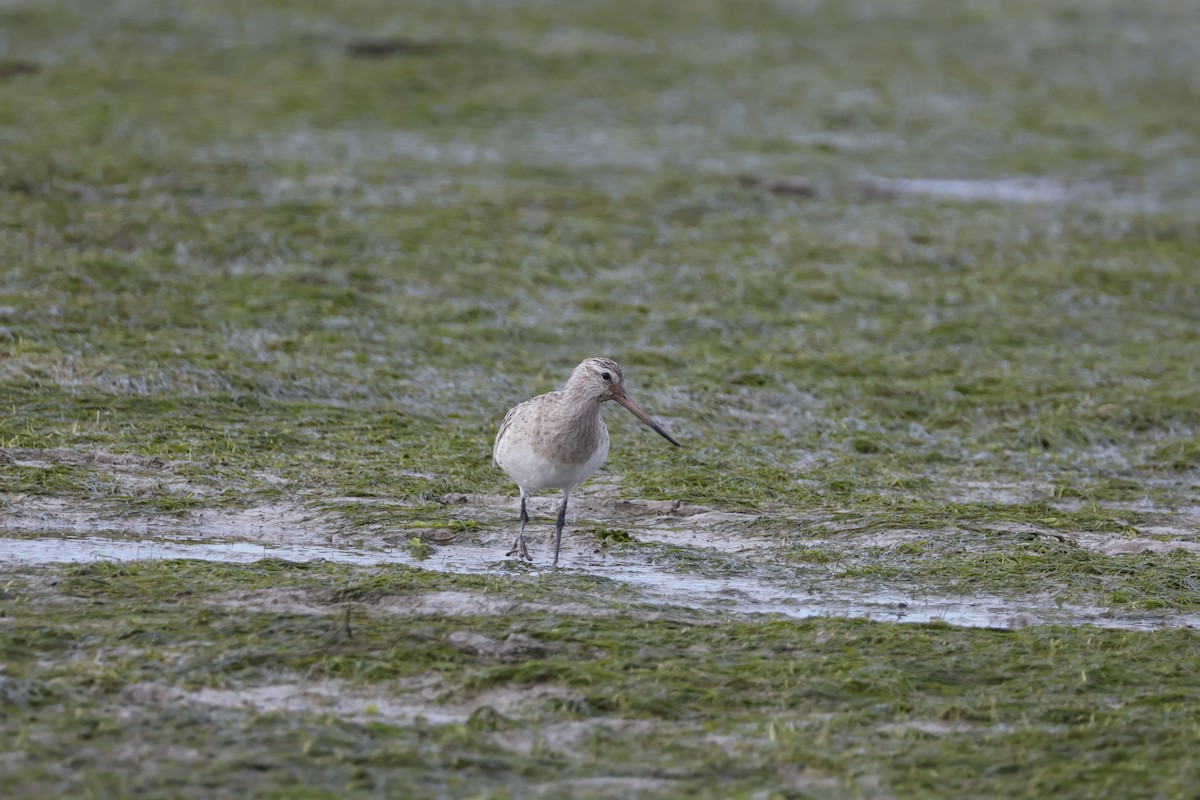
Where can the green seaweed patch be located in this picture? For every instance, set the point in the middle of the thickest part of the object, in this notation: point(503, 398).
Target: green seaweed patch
point(1178, 455)
point(657, 692)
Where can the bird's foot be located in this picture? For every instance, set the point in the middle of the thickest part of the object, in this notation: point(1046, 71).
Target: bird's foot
point(520, 550)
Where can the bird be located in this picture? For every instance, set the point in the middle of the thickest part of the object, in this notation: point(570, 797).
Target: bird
point(557, 440)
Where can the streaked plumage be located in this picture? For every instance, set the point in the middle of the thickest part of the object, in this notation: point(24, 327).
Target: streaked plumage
point(557, 440)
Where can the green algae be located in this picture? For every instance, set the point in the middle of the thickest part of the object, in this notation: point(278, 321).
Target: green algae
point(311, 253)
point(721, 707)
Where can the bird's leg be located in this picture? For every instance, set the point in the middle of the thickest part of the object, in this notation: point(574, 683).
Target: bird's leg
point(562, 519)
point(519, 549)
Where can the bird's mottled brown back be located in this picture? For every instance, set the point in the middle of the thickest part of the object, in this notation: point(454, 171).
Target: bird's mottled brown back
point(556, 428)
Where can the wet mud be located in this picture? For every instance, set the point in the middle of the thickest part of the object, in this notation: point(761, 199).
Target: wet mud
point(661, 553)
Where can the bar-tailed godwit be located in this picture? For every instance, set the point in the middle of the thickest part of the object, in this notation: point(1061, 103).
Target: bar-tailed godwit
point(557, 440)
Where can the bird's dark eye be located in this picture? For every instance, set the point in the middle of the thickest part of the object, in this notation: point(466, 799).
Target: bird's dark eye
point(606, 376)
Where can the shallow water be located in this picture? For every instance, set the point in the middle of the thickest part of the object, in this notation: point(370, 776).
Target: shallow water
point(739, 595)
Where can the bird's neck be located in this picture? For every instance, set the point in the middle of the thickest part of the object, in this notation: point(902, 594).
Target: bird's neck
point(580, 395)
point(582, 407)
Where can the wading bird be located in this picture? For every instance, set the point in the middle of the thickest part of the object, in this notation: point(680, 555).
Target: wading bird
point(557, 440)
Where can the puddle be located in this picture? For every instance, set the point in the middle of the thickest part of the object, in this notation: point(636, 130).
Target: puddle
point(1022, 190)
point(58, 550)
point(1009, 190)
point(654, 586)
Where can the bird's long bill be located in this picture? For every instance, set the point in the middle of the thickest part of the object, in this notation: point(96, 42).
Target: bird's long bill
point(636, 410)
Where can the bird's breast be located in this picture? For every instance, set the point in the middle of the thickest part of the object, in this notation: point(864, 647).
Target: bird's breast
point(570, 440)
point(543, 450)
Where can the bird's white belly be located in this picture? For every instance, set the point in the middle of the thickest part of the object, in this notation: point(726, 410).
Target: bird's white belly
point(532, 471)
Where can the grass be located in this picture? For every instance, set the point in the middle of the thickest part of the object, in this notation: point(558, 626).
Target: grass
point(307, 254)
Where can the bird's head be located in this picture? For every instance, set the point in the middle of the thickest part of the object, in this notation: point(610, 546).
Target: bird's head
point(602, 379)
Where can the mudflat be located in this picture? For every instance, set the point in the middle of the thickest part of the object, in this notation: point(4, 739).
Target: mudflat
point(913, 283)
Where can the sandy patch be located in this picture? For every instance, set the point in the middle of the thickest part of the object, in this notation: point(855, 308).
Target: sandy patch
point(574, 735)
point(515, 647)
point(929, 727)
point(1016, 493)
point(1005, 190)
point(278, 601)
point(858, 541)
point(130, 472)
point(666, 521)
point(597, 499)
point(614, 785)
point(1135, 546)
point(1107, 543)
point(425, 604)
point(278, 523)
point(395, 701)
point(472, 604)
point(33, 457)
